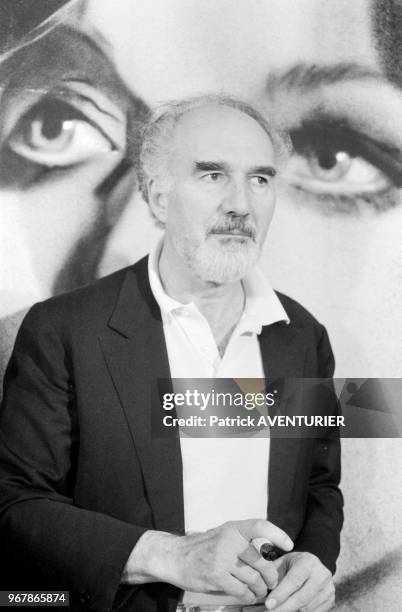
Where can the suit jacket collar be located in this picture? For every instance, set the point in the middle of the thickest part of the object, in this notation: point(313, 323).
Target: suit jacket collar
point(135, 303)
point(135, 351)
point(137, 357)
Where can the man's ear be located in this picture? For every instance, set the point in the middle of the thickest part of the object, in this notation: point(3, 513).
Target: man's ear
point(158, 199)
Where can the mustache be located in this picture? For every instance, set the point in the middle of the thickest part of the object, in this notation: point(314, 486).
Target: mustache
point(234, 226)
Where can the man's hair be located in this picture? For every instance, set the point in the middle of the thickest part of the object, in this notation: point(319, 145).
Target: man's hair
point(159, 132)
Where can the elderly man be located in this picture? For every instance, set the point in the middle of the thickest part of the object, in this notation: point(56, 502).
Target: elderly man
point(90, 499)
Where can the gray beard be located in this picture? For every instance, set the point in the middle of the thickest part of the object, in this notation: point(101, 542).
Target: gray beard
point(220, 264)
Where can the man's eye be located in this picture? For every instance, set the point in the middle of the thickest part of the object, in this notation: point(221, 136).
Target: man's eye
point(333, 161)
point(55, 134)
point(213, 177)
point(259, 181)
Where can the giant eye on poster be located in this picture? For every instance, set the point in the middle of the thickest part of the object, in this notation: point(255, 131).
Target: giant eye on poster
point(253, 148)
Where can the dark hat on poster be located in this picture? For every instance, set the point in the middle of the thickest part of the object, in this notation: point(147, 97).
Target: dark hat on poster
point(18, 18)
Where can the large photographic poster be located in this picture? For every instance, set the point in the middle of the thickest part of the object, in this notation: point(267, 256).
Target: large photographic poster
point(77, 82)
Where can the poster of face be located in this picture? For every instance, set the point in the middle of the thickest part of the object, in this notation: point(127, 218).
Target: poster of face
point(78, 80)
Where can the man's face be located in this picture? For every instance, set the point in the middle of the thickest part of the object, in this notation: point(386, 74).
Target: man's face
point(221, 195)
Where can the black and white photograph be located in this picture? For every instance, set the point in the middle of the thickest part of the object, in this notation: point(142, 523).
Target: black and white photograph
point(200, 201)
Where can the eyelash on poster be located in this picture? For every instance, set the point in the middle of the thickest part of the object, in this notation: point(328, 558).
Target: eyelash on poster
point(61, 111)
point(338, 136)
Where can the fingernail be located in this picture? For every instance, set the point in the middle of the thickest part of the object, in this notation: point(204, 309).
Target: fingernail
point(270, 604)
point(289, 544)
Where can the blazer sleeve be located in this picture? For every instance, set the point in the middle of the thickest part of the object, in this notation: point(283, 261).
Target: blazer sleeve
point(74, 548)
point(320, 534)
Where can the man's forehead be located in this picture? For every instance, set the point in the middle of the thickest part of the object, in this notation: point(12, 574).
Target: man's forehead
point(215, 117)
point(220, 131)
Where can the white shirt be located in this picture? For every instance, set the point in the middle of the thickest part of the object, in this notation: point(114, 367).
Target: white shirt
point(223, 478)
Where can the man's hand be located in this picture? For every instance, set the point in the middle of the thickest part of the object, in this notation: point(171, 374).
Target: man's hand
point(218, 560)
point(305, 585)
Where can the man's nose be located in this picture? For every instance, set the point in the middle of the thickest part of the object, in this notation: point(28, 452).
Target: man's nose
point(237, 199)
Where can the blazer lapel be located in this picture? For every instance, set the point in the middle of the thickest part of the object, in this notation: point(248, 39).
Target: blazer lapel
point(135, 351)
point(283, 350)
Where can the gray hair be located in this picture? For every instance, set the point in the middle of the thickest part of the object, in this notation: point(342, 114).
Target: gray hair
point(158, 133)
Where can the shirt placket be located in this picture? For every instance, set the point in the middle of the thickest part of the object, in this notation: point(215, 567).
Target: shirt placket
point(199, 334)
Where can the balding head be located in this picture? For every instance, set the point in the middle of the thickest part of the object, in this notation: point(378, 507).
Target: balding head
point(160, 132)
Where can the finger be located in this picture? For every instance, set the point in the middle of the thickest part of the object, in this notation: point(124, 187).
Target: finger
point(293, 581)
point(310, 596)
point(234, 587)
point(298, 601)
point(250, 555)
point(259, 528)
point(266, 569)
point(251, 578)
point(282, 566)
point(268, 572)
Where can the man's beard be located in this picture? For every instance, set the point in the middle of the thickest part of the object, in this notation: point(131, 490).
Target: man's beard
point(219, 258)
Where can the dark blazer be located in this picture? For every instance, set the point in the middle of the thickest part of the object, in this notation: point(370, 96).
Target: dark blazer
point(81, 476)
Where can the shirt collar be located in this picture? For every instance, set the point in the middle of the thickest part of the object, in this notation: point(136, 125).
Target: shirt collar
point(166, 303)
point(262, 307)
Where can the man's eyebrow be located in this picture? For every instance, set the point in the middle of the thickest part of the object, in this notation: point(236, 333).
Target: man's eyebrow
point(218, 166)
point(209, 166)
point(267, 170)
point(305, 77)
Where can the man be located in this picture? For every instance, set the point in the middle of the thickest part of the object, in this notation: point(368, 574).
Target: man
point(332, 73)
point(90, 499)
